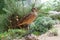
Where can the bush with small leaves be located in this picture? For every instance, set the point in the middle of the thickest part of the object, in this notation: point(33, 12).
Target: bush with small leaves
point(42, 24)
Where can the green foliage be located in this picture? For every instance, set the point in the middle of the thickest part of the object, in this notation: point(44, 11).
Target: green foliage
point(36, 33)
point(55, 17)
point(18, 7)
point(43, 24)
point(1, 6)
point(57, 7)
point(15, 7)
point(3, 22)
point(40, 25)
point(12, 34)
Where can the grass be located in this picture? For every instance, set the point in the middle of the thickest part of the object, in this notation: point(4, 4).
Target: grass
point(12, 33)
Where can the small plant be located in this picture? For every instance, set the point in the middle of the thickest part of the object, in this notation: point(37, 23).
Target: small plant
point(42, 24)
point(53, 32)
point(12, 33)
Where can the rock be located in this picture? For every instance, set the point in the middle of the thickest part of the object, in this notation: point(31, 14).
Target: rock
point(31, 37)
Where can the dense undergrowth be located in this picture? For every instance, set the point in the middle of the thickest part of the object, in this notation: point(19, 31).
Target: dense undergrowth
point(42, 24)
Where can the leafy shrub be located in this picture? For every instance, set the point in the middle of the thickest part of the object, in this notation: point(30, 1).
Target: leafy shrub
point(2, 17)
point(3, 22)
point(13, 7)
point(57, 16)
point(12, 34)
point(1, 6)
point(10, 7)
point(43, 24)
point(16, 7)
